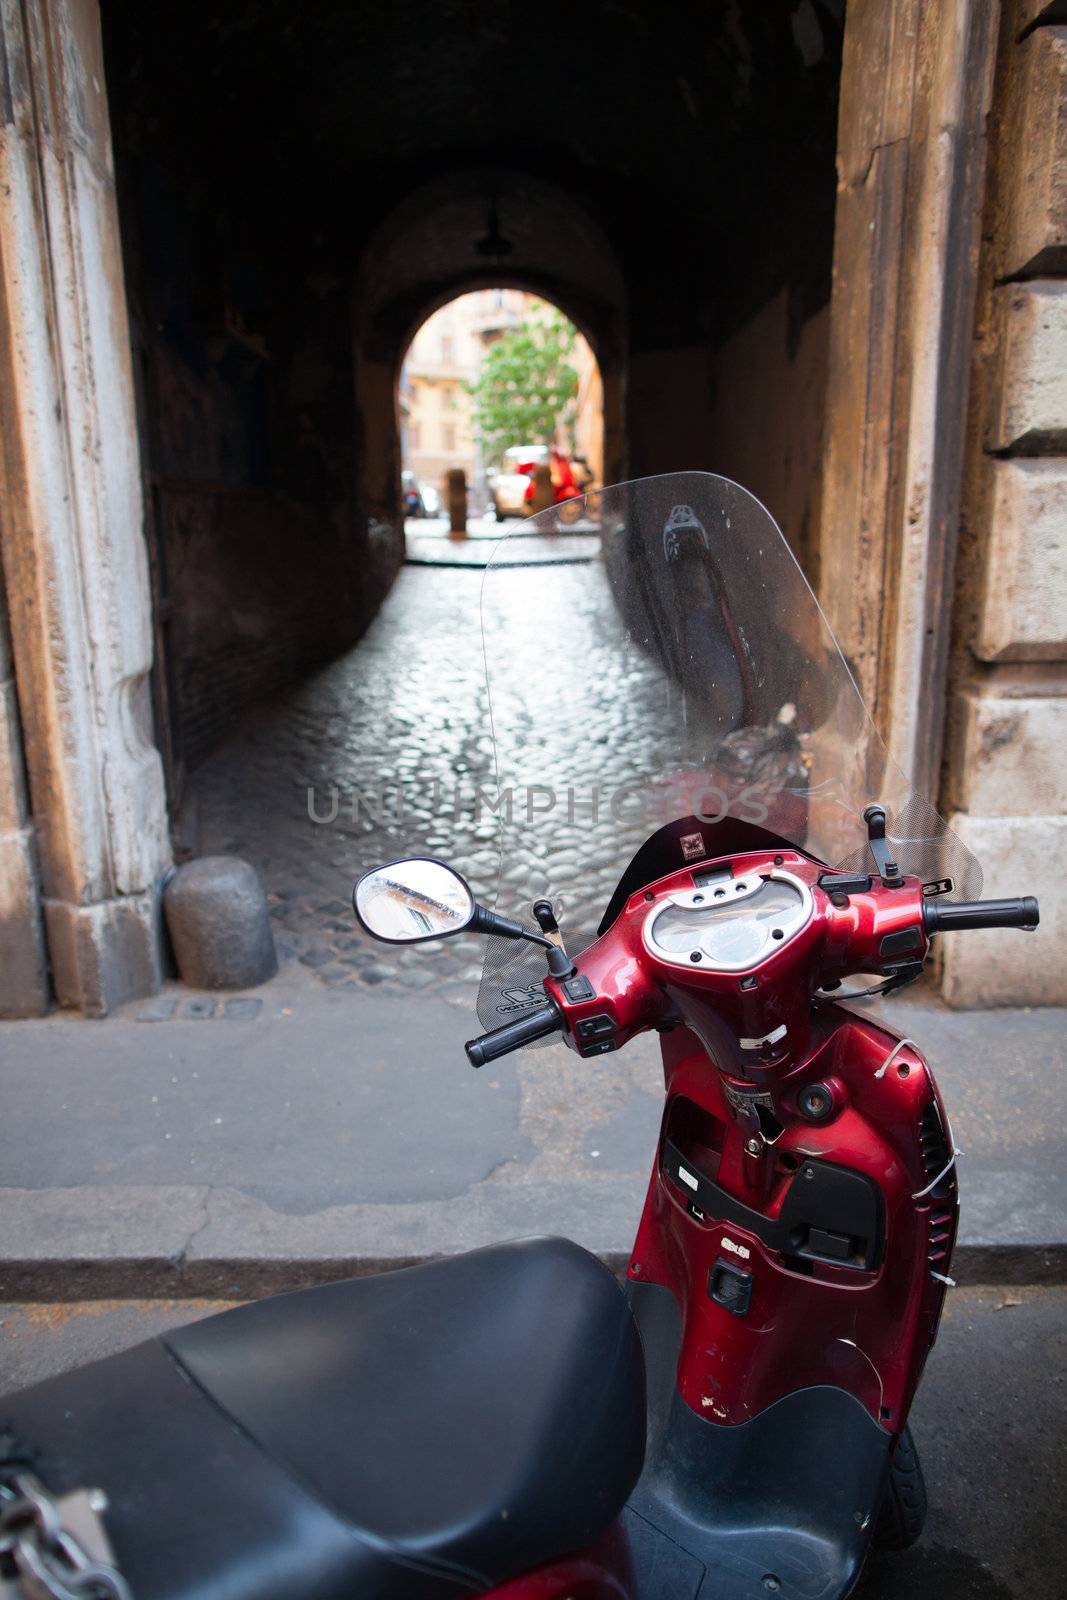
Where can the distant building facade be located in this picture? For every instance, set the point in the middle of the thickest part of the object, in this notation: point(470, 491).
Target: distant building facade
point(442, 360)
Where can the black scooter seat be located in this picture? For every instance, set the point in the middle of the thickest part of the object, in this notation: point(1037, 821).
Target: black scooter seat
point(423, 1433)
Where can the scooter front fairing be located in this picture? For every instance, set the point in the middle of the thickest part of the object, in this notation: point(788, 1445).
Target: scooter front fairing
point(686, 672)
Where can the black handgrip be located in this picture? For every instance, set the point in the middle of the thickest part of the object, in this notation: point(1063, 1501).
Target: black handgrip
point(943, 917)
point(536, 1024)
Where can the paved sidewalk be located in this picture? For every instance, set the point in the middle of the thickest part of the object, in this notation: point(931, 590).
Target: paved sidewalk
point(232, 1149)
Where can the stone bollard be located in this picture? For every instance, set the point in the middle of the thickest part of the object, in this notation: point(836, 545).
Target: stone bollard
point(217, 918)
point(544, 494)
point(457, 503)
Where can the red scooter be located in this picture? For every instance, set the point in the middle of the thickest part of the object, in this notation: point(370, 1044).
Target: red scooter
point(511, 1422)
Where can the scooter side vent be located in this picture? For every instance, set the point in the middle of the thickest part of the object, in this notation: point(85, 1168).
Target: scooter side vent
point(940, 1238)
point(935, 1152)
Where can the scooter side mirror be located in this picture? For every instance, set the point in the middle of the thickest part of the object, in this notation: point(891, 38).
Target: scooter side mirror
point(408, 901)
point(405, 902)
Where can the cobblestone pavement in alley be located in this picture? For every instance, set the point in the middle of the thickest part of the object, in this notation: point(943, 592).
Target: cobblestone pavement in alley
point(307, 787)
point(429, 543)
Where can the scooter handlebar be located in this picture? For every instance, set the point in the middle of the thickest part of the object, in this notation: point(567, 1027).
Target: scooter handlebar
point(1021, 913)
point(536, 1024)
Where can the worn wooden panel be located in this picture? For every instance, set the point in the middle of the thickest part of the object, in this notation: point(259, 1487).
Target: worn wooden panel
point(911, 154)
point(877, 93)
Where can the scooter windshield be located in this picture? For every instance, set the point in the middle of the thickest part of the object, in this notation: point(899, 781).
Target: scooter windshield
point(655, 656)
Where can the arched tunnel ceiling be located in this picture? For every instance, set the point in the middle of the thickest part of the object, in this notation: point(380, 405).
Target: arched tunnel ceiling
point(428, 250)
point(698, 136)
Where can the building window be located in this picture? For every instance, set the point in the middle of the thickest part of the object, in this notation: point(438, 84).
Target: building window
point(447, 350)
point(448, 397)
point(448, 435)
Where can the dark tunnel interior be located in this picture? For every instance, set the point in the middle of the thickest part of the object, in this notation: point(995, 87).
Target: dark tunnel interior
point(299, 187)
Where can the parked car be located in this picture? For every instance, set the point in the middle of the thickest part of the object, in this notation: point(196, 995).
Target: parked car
point(509, 485)
point(431, 500)
point(411, 495)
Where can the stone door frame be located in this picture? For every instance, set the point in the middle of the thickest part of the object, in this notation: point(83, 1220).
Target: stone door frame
point(72, 532)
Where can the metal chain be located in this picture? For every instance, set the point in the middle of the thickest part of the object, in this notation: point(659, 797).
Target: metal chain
point(43, 1557)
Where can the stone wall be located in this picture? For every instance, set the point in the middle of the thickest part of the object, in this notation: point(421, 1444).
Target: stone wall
point(262, 571)
point(1006, 777)
point(751, 410)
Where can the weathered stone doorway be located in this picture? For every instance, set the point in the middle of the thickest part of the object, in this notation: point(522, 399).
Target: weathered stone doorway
point(674, 188)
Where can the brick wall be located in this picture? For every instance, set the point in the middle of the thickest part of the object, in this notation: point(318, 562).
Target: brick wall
point(263, 565)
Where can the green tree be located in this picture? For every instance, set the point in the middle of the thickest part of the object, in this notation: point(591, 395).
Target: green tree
point(526, 386)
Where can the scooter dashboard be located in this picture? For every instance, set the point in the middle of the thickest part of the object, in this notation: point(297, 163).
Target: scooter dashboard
point(727, 924)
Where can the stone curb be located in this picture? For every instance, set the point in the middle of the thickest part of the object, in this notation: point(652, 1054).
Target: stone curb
point(71, 1280)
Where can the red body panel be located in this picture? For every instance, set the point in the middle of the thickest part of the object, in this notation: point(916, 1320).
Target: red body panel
point(867, 1332)
point(810, 1322)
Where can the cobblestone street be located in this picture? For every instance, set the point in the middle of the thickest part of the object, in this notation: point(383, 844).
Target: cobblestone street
point(307, 788)
point(407, 707)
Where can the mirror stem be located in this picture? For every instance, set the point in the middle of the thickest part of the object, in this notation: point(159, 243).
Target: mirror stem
point(486, 921)
point(560, 964)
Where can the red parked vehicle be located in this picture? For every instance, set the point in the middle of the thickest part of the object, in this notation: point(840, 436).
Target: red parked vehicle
point(566, 490)
point(512, 1422)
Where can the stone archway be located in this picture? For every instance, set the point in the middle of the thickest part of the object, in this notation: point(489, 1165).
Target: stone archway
point(426, 254)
